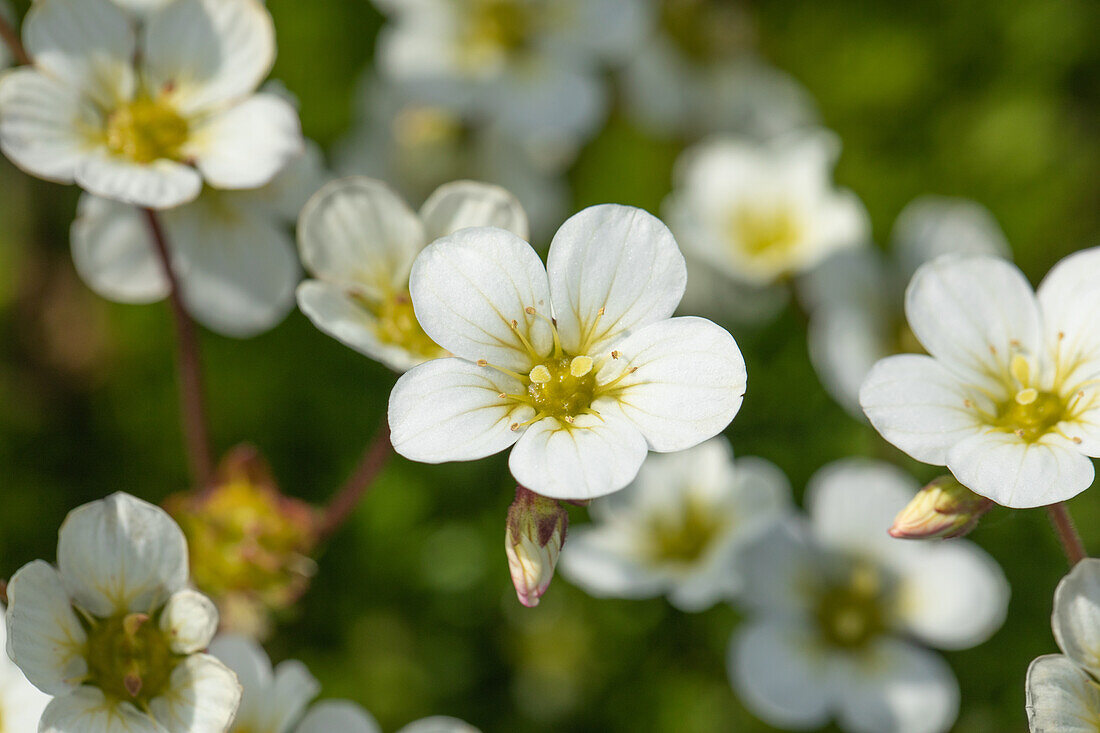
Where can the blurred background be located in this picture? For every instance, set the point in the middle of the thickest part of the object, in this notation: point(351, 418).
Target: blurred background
point(411, 612)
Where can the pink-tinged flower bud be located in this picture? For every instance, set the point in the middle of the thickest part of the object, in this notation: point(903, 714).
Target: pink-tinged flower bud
point(942, 509)
point(533, 540)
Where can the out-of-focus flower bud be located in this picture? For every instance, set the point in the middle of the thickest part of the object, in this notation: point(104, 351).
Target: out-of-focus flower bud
point(533, 541)
point(250, 545)
point(942, 509)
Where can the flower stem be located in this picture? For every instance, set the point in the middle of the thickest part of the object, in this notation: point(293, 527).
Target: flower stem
point(1067, 533)
point(11, 39)
point(340, 507)
point(192, 404)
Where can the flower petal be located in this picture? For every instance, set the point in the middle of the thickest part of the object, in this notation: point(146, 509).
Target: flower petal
point(337, 716)
point(931, 226)
point(247, 659)
point(953, 594)
point(615, 259)
point(688, 385)
point(43, 124)
point(777, 565)
point(438, 724)
point(973, 313)
point(87, 45)
point(247, 145)
point(778, 676)
point(1020, 475)
point(237, 266)
point(209, 52)
point(121, 554)
point(451, 410)
point(599, 560)
point(596, 455)
point(1076, 619)
point(45, 637)
point(358, 232)
point(919, 406)
point(469, 287)
point(1061, 698)
point(86, 710)
point(190, 620)
point(161, 184)
point(462, 204)
point(113, 253)
point(845, 344)
point(898, 688)
point(1069, 299)
point(202, 695)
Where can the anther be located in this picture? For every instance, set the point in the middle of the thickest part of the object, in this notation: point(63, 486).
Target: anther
point(482, 362)
point(540, 374)
point(580, 366)
point(529, 310)
point(615, 354)
point(514, 427)
point(1077, 439)
point(968, 404)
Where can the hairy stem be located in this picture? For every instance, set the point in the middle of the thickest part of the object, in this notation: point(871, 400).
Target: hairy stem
point(1067, 533)
point(340, 507)
point(11, 39)
point(192, 404)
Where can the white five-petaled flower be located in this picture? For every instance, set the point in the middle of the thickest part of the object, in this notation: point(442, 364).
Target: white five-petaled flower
point(1008, 399)
point(146, 112)
point(760, 211)
point(21, 703)
point(232, 251)
point(578, 363)
point(855, 297)
point(839, 610)
point(1063, 690)
point(530, 67)
point(113, 633)
point(275, 700)
point(359, 240)
point(679, 528)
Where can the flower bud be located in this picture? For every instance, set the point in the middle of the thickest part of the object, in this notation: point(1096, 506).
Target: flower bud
point(533, 540)
point(942, 509)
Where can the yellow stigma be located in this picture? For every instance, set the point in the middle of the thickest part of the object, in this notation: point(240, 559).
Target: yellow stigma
point(129, 658)
point(580, 366)
point(147, 130)
point(765, 233)
point(851, 613)
point(540, 374)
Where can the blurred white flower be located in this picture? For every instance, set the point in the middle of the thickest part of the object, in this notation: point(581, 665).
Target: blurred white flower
point(21, 703)
point(113, 634)
point(1063, 692)
point(855, 298)
point(679, 528)
point(232, 251)
point(758, 212)
point(147, 133)
point(417, 145)
point(529, 67)
point(275, 700)
point(359, 239)
point(577, 363)
point(1008, 399)
point(839, 610)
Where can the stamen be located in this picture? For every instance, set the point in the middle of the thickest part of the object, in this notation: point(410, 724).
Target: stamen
point(502, 370)
point(530, 310)
point(580, 366)
point(523, 340)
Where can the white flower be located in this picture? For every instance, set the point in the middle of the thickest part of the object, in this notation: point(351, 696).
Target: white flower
point(416, 145)
point(113, 634)
point(1007, 400)
point(21, 703)
point(679, 528)
point(758, 212)
point(1063, 692)
point(275, 700)
point(839, 611)
point(530, 66)
point(855, 298)
point(232, 251)
point(147, 133)
point(359, 240)
point(577, 363)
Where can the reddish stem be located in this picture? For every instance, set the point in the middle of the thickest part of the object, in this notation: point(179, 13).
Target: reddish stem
point(1067, 533)
point(192, 404)
point(11, 39)
point(340, 507)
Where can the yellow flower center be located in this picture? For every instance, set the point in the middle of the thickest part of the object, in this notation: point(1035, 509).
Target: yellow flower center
point(706, 30)
point(562, 387)
point(850, 613)
point(498, 25)
point(397, 325)
point(129, 658)
point(1029, 412)
point(416, 126)
point(146, 130)
point(683, 539)
point(765, 233)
